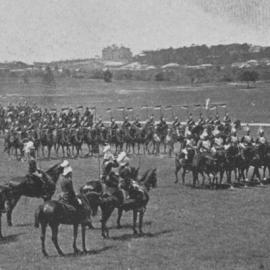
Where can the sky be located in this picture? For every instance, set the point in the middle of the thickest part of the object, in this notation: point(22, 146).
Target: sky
point(38, 30)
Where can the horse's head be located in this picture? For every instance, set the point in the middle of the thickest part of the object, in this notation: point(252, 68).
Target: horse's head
point(150, 179)
point(55, 171)
point(4, 196)
point(93, 199)
point(134, 172)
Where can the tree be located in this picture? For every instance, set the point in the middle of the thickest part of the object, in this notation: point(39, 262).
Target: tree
point(107, 75)
point(48, 77)
point(249, 76)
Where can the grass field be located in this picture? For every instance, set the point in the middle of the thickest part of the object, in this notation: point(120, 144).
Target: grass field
point(184, 228)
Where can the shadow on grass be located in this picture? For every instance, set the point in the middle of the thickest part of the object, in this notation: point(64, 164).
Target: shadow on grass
point(10, 238)
point(24, 225)
point(129, 226)
point(89, 252)
point(126, 237)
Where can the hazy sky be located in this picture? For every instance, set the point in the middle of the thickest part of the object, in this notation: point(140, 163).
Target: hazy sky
point(45, 30)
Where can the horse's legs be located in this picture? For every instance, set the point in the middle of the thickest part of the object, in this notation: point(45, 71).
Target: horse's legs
point(141, 214)
point(49, 152)
point(106, 213)
point(120, 211)
point(75, 234)
point(177, 168)
point(54, 228)
point(83, 238)
point(135, 221)
point(43, 237)
point(183, 175)
point(1, 235)
point(10, 206)
point(42, 150)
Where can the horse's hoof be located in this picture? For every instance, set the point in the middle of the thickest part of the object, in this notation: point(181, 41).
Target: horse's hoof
point(77, 251)
point(45, 254)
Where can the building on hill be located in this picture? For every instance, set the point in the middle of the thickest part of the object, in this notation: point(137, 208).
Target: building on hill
point(117, 54)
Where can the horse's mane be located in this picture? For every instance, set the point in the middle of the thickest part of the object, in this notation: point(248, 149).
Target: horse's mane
point(52, 168)
point(146, 175)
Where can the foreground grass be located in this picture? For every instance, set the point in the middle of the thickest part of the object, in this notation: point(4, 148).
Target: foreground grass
point(184, 228)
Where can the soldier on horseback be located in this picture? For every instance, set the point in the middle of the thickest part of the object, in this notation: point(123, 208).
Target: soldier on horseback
point(34, 170)
point(162, 125)
point(137, 123)
point(109, 162)
point(68, 196)
point(126, 124)
point(125, 173)
point(247, 140)
point(190, 121)
point(261, 140)
point(150, 122)
point(204, 144)
point(176, 123)
point(217, 120)
point(227, 119)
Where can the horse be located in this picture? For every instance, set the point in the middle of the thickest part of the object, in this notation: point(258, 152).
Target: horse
point(204, 163)
point(63, 141)
point(46, 140)
point(231, 156)
point(54, 213)
point(3, 198)
point(89, 138)
point(116, 138)
point(76, 140)
point(148, 180)
point(137, 203)
point(31, 187)
point(13, 140)
point(185, 163)
point(129, 139)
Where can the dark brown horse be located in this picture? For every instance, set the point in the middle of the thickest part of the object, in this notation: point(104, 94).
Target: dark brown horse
point(139, 198)
point(76, 140)
point(54, 213)
point(31, 186)
point(3, 198)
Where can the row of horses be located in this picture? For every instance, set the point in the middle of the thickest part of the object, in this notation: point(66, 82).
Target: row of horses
point(53, 213)
point(234, 161)
point(71, 141)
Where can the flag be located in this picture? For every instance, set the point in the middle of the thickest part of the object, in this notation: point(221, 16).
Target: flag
point(65, 109)
point(169, 107)
point(108, 110)
point(213, 108)
point(79, 107)
point(184, 107)
point(121, 108)
point(144, 107)
point(53, 110)
point(130, 109)
point(207, 102)
point(197, 106)
point(222, 105)
point(157, 107)
point(93, 108)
